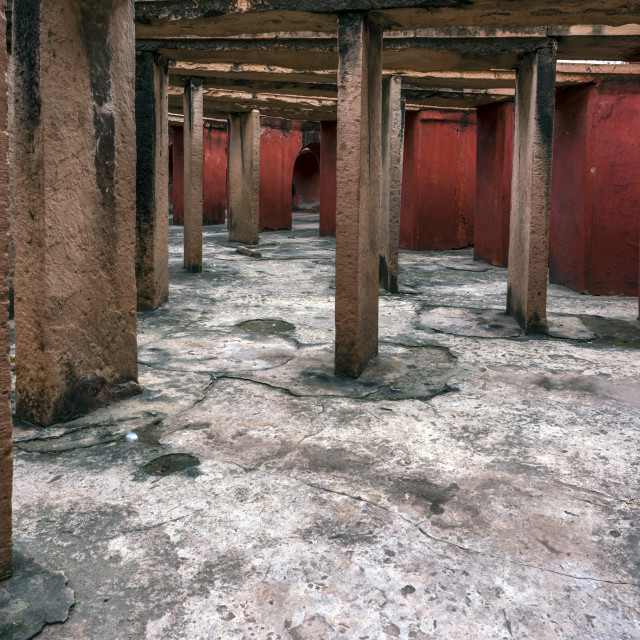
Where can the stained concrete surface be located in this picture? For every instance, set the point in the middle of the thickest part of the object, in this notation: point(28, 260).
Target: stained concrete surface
point(469, 485)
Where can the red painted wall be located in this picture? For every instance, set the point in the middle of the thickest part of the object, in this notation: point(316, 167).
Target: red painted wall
point(595, 227)
point(177, 178)
point(306, 180)
point(214, 172)
point(280, 143)
point(494, 158)
point(439, 178)
point(328, 159)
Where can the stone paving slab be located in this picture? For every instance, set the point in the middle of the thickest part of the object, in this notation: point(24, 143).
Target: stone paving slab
point(467, 486)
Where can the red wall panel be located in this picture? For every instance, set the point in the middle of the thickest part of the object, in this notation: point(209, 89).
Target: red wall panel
point(594, 222)
point(494, 158)
point(438, 191)
point(215, 148)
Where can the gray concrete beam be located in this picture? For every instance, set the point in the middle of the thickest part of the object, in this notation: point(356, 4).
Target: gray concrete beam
point(231, 17)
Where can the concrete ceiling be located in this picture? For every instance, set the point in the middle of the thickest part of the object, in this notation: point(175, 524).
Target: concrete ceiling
point(212, 18)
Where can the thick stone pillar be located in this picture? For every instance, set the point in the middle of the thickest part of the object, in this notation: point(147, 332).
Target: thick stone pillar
point(244, 177)
point(531, 189)
point(193, 158)
point(358, 191)
point(6, 459)
point(152, 180)
point(392, 157)
point(74, 192)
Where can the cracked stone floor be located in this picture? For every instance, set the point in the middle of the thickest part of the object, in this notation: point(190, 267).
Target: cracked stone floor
point(473, 484)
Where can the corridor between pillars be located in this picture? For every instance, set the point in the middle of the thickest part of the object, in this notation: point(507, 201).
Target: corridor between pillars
point(152, 181)
point(358, 192)
point(244, 177)
point(75, 201)
point(531, 189)
point(193, 194)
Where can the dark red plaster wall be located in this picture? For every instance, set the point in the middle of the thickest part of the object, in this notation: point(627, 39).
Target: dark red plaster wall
point(279, 148)
point(494, 158)
point(214, 170)
point(439, 177)
point(594, 226)
point(214, 173)
point(280, 144)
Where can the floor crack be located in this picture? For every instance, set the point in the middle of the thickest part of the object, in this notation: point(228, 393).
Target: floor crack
point(468, 550)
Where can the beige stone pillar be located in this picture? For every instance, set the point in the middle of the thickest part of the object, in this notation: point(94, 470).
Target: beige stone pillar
point(358, 191)
point(531, 189)
point(6, 459)
point(244, 177)
point(391, 193)
point(74, 193)
point(152, 180)
point(193, 159)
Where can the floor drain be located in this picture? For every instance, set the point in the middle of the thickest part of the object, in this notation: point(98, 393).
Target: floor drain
point(171, 463)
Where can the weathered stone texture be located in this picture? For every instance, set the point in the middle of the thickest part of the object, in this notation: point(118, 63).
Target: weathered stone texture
point(531, 190)
point(244, 177)
point(74, 193)
point(193, 194)
point(358, 192)
point(6, 460)
point(392, 157)
point(152, 180)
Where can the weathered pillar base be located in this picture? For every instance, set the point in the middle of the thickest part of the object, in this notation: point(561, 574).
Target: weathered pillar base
point(392, 157)
point(244, 177)
point(531, 190)
point(358, 192)
point(152, 181)
point(74, 192)
point(193, 189)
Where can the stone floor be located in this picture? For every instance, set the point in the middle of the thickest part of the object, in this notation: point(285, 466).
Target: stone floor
point(473, 484)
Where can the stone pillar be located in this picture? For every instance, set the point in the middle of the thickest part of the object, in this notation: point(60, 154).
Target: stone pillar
point(358, 191)
point(531, 189)
point(75, 193)
point(392, 157)
point(193, 194)
point(328, 151)
point(244, 177)
point(6, 459)
point(152, 180)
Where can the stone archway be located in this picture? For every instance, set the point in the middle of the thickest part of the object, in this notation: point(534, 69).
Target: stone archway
point(306, 181)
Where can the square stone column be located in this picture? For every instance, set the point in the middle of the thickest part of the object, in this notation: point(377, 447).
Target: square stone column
point(358, 191)
point(75, 195)
point(193, 189)
point(531, 189)
point(244, 177)
point(6, 458)
point(328, 159)
point(392, 157)
point(152, 180)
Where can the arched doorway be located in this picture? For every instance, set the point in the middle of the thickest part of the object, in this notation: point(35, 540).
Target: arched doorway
point(306, 183)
